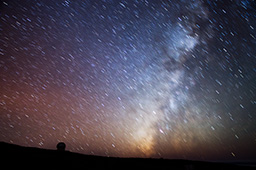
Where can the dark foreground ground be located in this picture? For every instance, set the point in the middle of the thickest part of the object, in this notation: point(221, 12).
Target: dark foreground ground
point(17, 157)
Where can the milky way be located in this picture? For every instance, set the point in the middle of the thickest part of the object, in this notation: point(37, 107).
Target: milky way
point(171, 79)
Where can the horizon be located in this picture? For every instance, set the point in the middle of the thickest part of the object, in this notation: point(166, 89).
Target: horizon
point(251, 161)
point(164, 79)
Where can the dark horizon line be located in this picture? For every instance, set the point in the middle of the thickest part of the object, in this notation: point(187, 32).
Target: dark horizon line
point(242, 162)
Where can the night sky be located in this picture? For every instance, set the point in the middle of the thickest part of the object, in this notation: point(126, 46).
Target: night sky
point(132, 78)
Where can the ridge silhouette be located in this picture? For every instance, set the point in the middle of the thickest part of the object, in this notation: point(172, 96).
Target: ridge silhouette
point(14, 156)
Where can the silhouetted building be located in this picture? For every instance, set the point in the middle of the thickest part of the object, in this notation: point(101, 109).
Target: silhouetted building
point(61, 146)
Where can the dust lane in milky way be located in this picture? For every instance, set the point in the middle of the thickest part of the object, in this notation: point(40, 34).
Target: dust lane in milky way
point(172, 79)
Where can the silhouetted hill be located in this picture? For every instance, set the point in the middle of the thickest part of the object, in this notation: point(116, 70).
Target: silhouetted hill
point(14, 156)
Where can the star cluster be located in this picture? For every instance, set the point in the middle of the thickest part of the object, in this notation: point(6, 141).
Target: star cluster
point(172, 79)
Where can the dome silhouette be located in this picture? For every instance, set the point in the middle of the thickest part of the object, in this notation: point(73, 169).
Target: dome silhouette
point(61, 146)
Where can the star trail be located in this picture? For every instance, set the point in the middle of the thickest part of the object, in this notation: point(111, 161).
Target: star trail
point(140, 78)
